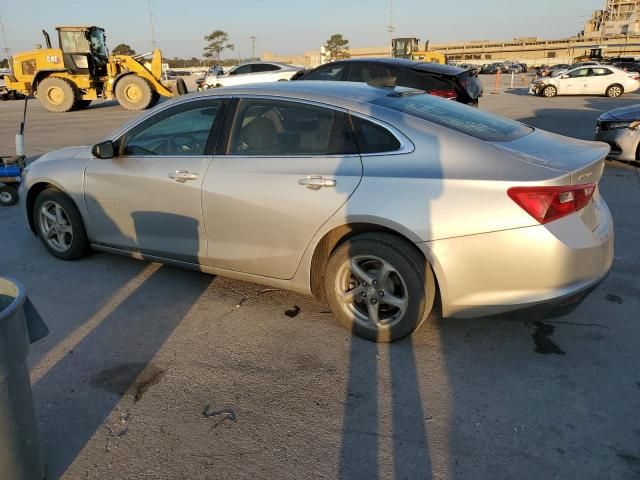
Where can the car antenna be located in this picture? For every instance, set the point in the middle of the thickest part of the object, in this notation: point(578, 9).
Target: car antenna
point(20, 136)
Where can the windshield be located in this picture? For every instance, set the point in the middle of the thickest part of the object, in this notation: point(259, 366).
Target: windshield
point(455, 116)
point(74, 42)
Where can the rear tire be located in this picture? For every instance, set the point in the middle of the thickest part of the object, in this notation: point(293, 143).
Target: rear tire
point(614, 91)
point(57, 94)
point(181, 87)
point(400, 300)
point(8, 195)
point(134, 93)
point(59, 225)
point(549, 91)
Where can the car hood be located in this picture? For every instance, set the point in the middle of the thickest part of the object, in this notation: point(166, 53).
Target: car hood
point(630, 113)
point(558, 152)
point(66, 153)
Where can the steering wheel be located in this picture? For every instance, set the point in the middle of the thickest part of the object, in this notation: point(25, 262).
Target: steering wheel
point(184, 144)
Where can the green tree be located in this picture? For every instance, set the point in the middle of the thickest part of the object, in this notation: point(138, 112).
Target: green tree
point(123, 49)
point(218, 42)
point(337, 47)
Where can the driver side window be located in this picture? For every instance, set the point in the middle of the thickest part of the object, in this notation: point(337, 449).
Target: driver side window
point(180, 131)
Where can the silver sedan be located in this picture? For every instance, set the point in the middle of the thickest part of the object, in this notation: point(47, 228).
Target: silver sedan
point(393, 205)
point(620, 128)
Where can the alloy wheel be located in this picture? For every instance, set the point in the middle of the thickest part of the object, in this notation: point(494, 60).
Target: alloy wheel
point(372, 291)
point(55, 226)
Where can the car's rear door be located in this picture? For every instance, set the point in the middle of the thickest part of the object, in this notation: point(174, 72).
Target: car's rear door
point(286, 168)
point(149, 198)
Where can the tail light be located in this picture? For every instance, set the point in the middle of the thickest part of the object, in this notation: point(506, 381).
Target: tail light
point(444, 93)
point(546, 204)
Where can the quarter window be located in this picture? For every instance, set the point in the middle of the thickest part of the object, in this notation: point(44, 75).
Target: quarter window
point(179, 131)
point(278, 128)
point(373, 138)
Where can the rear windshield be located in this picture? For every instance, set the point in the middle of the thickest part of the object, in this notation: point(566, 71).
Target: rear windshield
point(455, 116)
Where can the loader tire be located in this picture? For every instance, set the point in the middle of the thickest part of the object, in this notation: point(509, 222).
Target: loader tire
point(57, 94)
point(134, 93)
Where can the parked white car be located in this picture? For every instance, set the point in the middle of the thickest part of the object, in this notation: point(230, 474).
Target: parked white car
point(588, 80)
point(253, 72)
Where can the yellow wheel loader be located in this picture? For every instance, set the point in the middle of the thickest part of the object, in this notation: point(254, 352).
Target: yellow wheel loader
point(81, 70)
point(409, 48)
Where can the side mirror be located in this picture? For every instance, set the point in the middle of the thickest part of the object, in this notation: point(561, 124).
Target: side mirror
point(565, 76)
point(104, 150)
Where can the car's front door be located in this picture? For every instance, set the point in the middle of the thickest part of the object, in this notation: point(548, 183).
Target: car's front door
point(573, 82)
point(148, 198)
point(287, 168)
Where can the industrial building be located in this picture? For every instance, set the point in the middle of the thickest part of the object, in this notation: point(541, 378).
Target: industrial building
point(615, 28)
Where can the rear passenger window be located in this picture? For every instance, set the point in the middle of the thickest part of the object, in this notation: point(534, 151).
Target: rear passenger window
point(327, 72)
point(599, 72)
point(264, 67)
point(373, 138)
point(280, 128)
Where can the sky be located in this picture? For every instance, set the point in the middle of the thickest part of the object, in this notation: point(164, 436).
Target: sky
point(288, 27)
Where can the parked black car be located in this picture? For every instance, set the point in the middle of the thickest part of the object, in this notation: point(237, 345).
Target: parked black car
point(494, 68)
point(628, 66)
point(442, 80)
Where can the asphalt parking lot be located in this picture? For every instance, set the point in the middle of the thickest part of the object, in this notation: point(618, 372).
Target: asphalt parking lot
point(154, 372)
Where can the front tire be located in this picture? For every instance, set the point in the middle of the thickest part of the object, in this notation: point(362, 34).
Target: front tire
point(57, 94)
point(549, 91)
point(59, 225)
point(134, 93)
point(379, 287)
point(614, 91)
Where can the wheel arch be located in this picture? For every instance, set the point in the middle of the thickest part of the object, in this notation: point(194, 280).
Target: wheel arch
point(33, 192)
point(340, 234)
point(615, 84)
point(118, 78)
point(42, 74)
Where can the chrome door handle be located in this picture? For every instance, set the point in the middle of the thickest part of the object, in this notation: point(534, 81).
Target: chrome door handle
point(316, 182)
point(182, 176)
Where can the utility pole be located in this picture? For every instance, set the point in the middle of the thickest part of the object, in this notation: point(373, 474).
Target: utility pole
point(390, 28)
point(5, 49)
point(153, 32)
point(253, 47)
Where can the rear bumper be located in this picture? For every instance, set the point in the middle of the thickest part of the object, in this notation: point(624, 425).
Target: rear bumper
point(539, 268)
point(623, 142)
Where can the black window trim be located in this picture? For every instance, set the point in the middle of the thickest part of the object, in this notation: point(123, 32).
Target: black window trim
point(406, 145)
point(224, 142)
point(212, 139)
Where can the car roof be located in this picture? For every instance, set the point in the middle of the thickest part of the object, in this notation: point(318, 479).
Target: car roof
point(429, 67)
point(262, 62)
point(351, 95)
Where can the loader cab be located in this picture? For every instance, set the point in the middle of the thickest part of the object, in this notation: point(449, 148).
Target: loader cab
point(404, 47)
point(84, 50)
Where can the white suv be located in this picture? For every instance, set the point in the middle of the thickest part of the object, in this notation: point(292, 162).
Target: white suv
point(587, 80)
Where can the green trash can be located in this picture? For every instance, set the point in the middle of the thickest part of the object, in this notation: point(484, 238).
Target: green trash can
point(20, 325)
